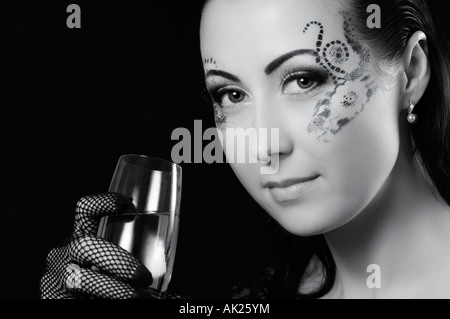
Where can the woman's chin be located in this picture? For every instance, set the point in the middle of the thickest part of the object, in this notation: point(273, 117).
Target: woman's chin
point(309, 222)
point(307, 229)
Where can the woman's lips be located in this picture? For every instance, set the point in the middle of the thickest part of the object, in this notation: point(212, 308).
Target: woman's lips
point(291, 189)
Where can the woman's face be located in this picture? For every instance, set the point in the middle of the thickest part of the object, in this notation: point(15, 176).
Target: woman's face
point(298, 66)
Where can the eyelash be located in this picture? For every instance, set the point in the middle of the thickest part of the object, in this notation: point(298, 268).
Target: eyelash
point(286, 77)
point(218, 93)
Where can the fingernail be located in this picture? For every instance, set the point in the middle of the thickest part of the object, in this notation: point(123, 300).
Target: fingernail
point(125, 204)
point(143, 277)
point(73, 280)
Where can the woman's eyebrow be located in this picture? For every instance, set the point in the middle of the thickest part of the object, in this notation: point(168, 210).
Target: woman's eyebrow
point(269, 69)
point(223, 74)
point(279, 61)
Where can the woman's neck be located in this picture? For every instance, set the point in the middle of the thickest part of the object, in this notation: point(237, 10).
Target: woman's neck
point(405, 232)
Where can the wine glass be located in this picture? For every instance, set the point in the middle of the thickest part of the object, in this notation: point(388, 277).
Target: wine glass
point(150, 233)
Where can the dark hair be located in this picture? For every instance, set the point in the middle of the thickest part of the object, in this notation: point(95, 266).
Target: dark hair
point(431, 134)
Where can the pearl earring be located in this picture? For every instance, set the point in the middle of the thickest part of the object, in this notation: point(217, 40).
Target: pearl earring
point(412, 118)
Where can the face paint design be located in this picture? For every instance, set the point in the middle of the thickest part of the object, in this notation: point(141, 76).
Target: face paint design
point(330, 117)
point(349, 100)
point(219, 117)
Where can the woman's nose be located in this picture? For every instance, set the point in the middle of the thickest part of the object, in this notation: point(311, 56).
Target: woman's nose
point(264, 143)
point(270, 137)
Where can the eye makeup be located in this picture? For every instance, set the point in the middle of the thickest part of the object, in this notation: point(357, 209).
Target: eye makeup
point(330, 118)
point(301, 82)
point(210, 65)
point(219, 118)
point(232, 93)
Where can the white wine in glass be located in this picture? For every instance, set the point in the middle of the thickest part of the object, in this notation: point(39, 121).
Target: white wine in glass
point(150, 233)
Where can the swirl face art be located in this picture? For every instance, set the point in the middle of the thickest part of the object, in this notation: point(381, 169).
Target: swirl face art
point(335, 57)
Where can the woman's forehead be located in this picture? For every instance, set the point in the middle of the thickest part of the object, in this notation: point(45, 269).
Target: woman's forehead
point(261, 27)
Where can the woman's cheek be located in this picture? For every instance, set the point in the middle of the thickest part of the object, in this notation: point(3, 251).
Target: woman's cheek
point(360, 159)
point(339, 108)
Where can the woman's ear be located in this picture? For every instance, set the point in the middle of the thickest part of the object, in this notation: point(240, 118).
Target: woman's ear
point(416, 67)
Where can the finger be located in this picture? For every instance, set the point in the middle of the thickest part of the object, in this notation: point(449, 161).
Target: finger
point(81, 281)
point(110, 259)
point(51, 287)
point(90, 209)
point(55, 258)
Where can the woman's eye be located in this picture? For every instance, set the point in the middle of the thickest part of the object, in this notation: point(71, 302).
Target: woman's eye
point(230, 100)
point(296, 84)
point(236, 97)
point(305, 82)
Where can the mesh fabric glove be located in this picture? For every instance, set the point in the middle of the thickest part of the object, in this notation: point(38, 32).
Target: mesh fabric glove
point(70, 268)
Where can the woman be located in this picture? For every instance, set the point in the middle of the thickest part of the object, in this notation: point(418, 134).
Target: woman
point(363, 157)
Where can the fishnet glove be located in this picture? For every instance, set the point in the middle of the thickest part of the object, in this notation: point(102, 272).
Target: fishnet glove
point(70, 268)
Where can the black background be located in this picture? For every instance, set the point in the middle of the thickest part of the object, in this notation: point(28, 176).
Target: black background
point(74, 100)
point(77, 99)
